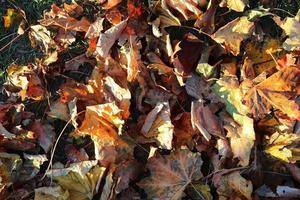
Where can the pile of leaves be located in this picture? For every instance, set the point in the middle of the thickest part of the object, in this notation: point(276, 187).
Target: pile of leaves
point(164, 99)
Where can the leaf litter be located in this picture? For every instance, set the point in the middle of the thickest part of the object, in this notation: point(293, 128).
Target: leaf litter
point(176, 100)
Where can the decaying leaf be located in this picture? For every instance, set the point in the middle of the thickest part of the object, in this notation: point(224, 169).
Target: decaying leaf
point(277, 91)
point(233, 186)
point(232, 34)
point(61, 18)
point(204, 120)
point(24, 81)
point(81, 180)
point(158, 125)
point(104, 124)
point(171, 174)
point(278, 146)
point(109, 37)
point(9, 164)
point(51, 193)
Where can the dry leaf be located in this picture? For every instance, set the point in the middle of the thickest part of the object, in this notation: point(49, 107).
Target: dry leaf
point(278, 146)
point(291, 28)
point(277, 91)
point(158, 125)
point(103, 123)
point(232, 34)
point(204, 120)
point(171, 174)
point(51, 193)
point(109, 37)
point(24, 81)
point(233, 186)
point(81, 180)
point(236, 5)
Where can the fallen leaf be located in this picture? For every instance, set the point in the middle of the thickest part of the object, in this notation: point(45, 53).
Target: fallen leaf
point(103, 123)
point(60, 18)
point(51, 193)
point(80, 180)
point(291, 28)
point(109, 37)
point(171, 174)
point(236, 5)
point(45, 134)
point(204, 120)
point(233, 185)
point(278, 146)
point(232, 34)
point(158, 125)
point(277, 91)
point(24, 81)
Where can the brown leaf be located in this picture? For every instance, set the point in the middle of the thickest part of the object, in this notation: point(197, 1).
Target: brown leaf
point(171, 174)
point(183, 129)
point(205, 121)
point(60, 18)
point(277, 91)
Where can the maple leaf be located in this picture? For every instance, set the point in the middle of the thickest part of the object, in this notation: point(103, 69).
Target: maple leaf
point(171, 174)
point(24, 81)
point(81, 180)
point(260, 54)
point(51, 193)
point(233, 186)
point(187, 8)
point(291, 28)
point(278, 146)
point(8, 164)
point(278, 91)
point(204, 120)
point(60, 18)
point(232, 34)
point(158, 125)
point(103, 123)
point(109, 37)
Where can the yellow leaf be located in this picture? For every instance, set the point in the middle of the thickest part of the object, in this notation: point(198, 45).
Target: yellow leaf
point(278, 91)
point(236, 5)
point(51, 193)
point(9, 18)
point(278, 146)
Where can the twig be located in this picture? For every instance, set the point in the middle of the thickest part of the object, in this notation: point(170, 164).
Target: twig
point(14, 39)
point(56, 142)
